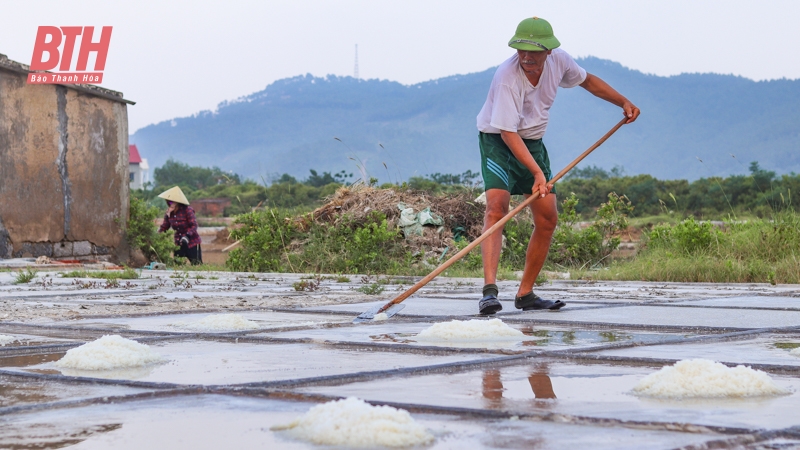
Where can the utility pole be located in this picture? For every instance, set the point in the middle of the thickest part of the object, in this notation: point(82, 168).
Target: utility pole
point(355, 70)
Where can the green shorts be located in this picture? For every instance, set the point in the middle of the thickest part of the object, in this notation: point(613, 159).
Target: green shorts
point(501, 170)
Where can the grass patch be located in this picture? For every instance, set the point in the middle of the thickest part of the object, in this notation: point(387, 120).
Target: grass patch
point(757, 251)
point(371, 289)
point(127, 274)
point(205, 267)
point(24, 276)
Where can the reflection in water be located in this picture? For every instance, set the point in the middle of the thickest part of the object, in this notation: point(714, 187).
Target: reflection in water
point(539, 380)
point(568, 337)
point(611, 336)
point(48, 436)
point(30, 360)
point(127, 373)
point(41, 366)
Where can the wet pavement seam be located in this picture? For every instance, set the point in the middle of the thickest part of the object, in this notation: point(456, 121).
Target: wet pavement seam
point(570, 419)
point(676, 341)
point(379, 346)
point(366, 375)
point(660, 362)
point(90, 380)
point(21, 409)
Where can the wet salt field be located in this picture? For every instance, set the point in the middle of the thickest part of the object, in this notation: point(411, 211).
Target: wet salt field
point(565, 384)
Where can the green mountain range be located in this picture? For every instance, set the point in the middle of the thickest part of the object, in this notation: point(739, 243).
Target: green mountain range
point(394, 131)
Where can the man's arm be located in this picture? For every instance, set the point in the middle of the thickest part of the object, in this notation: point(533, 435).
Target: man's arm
point(600, 88)
point(520, 151)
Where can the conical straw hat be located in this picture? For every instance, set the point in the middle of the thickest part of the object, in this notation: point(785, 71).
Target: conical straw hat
point(175, 194)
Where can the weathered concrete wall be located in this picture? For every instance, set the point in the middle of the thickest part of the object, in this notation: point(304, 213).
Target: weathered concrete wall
point(63, 170)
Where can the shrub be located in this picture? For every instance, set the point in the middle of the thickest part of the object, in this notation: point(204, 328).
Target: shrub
point(572, 246)
point(143, 235)
point(689, 236)
point(265, 237)
point(348, 246)
point(24, 276)
point(371, 289)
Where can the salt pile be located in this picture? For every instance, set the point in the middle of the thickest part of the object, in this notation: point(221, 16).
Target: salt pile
point(701, 378)
point(109, 352)
point(219, 322)
point(470, 330)
point(5, 340)
point(381, 316)
point(354, 423)
point(795, 352)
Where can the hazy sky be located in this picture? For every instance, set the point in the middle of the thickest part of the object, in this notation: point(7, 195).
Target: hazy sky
point(175, 58)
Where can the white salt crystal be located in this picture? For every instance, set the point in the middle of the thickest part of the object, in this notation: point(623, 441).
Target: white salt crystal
point(5, 340)
point(109, 352)
point(701, 378)
point(354, 423)
point(471, 330)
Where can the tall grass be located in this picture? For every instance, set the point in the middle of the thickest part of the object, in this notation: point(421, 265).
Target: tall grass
point(760, 251)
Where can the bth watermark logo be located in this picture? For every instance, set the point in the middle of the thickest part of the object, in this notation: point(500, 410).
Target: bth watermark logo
point(49, 54)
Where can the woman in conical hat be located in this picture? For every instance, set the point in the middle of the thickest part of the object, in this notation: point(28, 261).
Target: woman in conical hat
point(180, 217)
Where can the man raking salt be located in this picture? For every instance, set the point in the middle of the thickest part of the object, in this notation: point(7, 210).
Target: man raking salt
point(514, 159)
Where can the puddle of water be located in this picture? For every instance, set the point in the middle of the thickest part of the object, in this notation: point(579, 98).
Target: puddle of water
point(535, 336)
point(25, 340)
point(165, 322)
point(587, 390)
point(420, 306)
point(748, 302)
point(209, 362)
point(665, 315)
point(213, 422)
point(769, 349)
point(16, 391)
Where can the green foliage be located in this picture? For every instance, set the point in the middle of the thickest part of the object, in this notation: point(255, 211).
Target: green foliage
point(518, 233)
point(24, 276)
point(371, 289)
point(174, 173)
point(760, 250)
point(265, 237)
point(127, 274)
point(689, 236)
point(307, 285)
point(343, 247)
point(761, 193)
point(143, 235)
point(573, 246)
point(351, 247)
point(439, 183)
point(472, 260)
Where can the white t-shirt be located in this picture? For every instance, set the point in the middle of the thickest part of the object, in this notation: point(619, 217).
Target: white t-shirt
point(514, 104)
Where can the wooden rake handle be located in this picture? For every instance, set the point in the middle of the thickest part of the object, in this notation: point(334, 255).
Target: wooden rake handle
point(498, 225)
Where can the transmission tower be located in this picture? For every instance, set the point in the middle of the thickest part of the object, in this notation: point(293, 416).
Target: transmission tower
point(355, 69)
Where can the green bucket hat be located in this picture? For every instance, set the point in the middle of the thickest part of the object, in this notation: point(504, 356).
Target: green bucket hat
point(534, 35)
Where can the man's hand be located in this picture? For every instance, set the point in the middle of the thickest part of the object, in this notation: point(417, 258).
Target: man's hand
point(540, 186)
point(631, 111)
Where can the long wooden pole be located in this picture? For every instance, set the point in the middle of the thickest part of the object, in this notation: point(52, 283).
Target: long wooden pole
point(500, 223)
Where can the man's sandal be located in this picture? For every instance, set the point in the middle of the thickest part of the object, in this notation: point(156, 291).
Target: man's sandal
point(489, 305)
point(531, 301)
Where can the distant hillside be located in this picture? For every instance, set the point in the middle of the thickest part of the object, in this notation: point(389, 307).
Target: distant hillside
point(430, 127)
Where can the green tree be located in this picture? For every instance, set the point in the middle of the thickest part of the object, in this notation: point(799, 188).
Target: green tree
point(174, 173)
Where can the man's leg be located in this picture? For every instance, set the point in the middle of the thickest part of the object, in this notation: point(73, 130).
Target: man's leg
point(496, 208)
point(545, 217)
